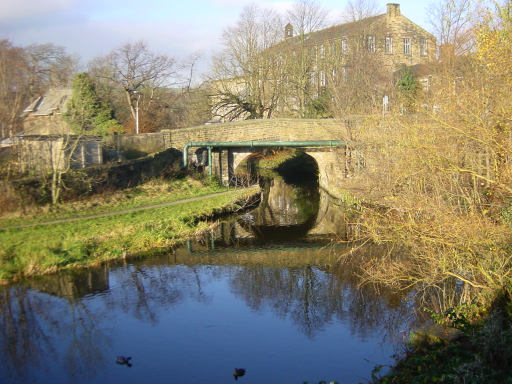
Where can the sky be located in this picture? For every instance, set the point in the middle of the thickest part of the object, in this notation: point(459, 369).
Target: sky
point(177, 28)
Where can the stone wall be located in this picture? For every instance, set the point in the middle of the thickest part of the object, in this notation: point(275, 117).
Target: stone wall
point(46, 125)
point(265, 130)
point(98, 179)
point(54, 152)
point(141, 144)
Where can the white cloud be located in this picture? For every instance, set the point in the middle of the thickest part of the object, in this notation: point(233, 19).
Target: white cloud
point(18, 9)
point(281, 6)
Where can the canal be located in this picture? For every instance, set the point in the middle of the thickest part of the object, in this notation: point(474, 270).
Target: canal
point(267, 291)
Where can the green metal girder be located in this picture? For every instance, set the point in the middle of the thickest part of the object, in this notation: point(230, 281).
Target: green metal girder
point(251, 144)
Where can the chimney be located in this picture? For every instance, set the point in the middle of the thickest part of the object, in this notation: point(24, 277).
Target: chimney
point(393, 9)
point(288, 31)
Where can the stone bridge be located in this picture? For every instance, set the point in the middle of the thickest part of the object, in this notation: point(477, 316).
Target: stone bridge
point(334, 161)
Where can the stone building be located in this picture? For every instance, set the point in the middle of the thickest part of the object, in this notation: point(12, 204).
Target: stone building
point(389, 42)
point(391, 36)
point(330, 62)
point(47, 142)
point(44, 115)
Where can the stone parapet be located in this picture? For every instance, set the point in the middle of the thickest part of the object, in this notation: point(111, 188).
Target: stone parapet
point(266, 130)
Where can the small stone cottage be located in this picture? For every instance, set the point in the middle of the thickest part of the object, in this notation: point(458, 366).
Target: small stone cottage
point(48, 143)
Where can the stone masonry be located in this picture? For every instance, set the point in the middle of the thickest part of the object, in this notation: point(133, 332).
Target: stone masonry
point(264, 130)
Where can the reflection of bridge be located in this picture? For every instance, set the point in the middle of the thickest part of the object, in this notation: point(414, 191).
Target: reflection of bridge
point(326, 140)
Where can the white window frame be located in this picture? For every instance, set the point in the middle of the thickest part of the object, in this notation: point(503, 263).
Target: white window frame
point(423, 46)
point(388, 43)
point(344, 46)
point(323, 79)
point(370, 43)
point(407, 46)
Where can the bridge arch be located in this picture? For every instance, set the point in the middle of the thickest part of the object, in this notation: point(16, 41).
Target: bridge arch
point(226, 151)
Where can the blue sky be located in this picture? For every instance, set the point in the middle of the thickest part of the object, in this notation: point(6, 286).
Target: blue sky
point(178, 28)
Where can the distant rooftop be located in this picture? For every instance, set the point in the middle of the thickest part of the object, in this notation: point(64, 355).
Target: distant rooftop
point(52, 102)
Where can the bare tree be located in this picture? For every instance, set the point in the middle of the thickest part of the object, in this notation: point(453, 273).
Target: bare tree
point(49, 66)
point(246, 79)
point(360, 9)
point(137, 72)
point(14, 87)
point(358, 79)
point(452, 22)
point(307, 16)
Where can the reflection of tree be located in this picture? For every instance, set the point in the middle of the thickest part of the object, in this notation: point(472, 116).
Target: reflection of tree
point(23, 337)
point(294, 292)
point(36, 328)
point(308, 287)
point(32, 327)
point(312, 297)
point(85, 352)
point(146, 291)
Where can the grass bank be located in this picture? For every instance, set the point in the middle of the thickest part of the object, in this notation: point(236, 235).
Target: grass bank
point(47, 248)
point(156, 191)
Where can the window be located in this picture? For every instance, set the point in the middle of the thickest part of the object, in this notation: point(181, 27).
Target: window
point(389, 45)
point(423, 47)
point(313, 78)
point(323, 80)
point(407, 46)
point(344, 74)
point(344, 46)
point(370, 43)
point(322, 51)
point(333, 49)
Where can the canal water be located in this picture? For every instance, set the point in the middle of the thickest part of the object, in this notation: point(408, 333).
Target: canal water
point(266, 291)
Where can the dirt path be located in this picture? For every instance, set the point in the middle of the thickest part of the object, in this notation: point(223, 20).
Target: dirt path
point(119, 212)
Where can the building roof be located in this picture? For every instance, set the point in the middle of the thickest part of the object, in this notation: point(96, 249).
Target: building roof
point(52, 102)
point(354, 28)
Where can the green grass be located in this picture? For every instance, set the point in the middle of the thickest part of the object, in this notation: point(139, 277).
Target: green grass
point(153, 192)
point(47, 248)
point(274, 160)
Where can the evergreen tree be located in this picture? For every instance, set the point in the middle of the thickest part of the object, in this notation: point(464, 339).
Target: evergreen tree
point(86, 113)
point(407, 84)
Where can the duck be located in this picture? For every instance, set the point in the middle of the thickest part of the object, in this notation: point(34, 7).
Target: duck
point(238, 372)
point(122, 360)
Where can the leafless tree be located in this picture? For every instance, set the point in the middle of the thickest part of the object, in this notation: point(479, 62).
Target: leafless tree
point(246, 76)
point(49, 66)
point(452, 22)
point(137, 71)
point(307, 16)
point(357, 80)
point(26, 73)
point(14, 82)
point(360, 9)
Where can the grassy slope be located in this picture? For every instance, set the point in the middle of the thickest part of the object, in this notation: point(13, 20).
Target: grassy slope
point(42, 249)
point(152, 192)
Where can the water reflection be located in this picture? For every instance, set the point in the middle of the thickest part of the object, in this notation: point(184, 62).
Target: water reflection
point(286, 211)
point(57, 321)
point(32, 324)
